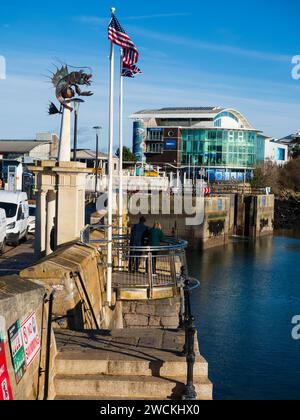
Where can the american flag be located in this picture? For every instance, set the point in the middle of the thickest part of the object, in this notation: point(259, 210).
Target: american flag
point(117, 35)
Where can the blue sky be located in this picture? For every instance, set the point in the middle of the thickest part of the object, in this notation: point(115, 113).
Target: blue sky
point(231, 54)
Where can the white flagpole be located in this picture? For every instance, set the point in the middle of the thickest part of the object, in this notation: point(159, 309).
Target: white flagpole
point(110, 172)
point(121, 150)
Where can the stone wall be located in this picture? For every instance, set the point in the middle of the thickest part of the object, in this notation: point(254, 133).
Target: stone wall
point(265, 213)
point(212, 229)
point(152, 314)
point(78, 274)
point(18, 300)
point(255, 215)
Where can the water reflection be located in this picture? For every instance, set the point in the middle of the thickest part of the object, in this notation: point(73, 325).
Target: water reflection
point(249, 293)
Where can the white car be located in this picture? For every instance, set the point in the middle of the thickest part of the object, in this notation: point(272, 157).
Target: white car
point(31, 220)
point(2, 231)
point(17, 214)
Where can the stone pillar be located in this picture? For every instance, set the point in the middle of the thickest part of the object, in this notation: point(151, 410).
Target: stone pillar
point(65, 184)
point(40, 232)
point(64, 152)
point(70, 209)
point(51, 210)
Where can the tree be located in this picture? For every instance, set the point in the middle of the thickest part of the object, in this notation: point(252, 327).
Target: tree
point(128, 156)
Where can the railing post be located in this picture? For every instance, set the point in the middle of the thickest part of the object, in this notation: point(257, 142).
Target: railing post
point(189, 347)
point(150, 274)
point(48, 346)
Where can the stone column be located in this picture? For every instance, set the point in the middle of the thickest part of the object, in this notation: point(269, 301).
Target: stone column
point(51, 210)
point(40, 235)
point(70, 201)
point(64, 152)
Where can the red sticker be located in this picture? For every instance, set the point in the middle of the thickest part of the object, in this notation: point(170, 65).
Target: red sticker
point(5, 388)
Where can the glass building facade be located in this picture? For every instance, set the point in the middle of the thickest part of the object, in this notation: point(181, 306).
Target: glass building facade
point(223, 148)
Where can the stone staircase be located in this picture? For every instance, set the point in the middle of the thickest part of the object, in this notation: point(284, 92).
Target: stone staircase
point(125, 364)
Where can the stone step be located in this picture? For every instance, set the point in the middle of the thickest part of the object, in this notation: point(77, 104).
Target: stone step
point(93, 363)
point(100, 398)
point(103, 386)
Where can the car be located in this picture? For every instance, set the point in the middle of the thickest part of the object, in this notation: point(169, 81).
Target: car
point(2, 231)
point(31, 220)
point(16, 208)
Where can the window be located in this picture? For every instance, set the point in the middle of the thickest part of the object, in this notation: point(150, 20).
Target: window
point(155, 134)
point(10, 209)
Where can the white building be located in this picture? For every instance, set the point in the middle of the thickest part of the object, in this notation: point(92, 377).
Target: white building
point(276, 152)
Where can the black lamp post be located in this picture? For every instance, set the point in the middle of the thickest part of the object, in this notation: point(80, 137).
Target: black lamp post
point(76, 102)
point(98, 131)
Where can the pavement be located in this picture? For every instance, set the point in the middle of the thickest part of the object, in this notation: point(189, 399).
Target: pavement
point(15, 259)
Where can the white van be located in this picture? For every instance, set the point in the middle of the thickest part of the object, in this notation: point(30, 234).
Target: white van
point(2, 231)
point(16, 208)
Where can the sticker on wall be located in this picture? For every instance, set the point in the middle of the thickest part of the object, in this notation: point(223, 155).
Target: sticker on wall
point(2, 328)
point(5, 388)
point(31, 339)
point(17, 350)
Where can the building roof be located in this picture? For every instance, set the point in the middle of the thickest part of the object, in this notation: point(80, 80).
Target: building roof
point(19, 146)
point(87, 154)
point(289, 139)
point(209, 112)
point(176, 112)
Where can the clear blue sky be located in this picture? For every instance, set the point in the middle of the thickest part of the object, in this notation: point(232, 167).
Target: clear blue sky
point(228, 53)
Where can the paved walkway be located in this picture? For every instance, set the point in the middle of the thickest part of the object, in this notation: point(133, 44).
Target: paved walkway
point(16, 259)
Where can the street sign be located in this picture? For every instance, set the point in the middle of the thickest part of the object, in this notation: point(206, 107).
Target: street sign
point(31, 339)
point(17, 350)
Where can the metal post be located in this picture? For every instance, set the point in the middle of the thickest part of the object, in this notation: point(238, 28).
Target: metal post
point(110, 174)
point(48, 346)
point(150, 274)
point(120, 224)
point(97, 163)
point(189, 347)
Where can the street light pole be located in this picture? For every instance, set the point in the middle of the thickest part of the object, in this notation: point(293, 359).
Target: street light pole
point(98, 130)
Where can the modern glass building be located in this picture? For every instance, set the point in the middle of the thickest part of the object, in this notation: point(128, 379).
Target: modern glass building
point(220, 141)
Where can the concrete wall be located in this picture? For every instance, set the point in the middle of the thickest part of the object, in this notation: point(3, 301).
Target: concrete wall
point(78, 274)
point(255, 215)
point(152, 314)
point(205, 235)
point(265, 213)
point(18, 300)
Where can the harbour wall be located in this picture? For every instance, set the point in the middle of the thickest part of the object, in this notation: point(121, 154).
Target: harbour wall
point(19, 299)
point(223, 216)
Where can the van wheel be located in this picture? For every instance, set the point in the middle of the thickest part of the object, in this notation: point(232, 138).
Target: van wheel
point(26, 237)
point(3, 246)
point(16, 242)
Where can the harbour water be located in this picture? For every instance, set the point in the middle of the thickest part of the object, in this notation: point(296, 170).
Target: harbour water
point(250, 291)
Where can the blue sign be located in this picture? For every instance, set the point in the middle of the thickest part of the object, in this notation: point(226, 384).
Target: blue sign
point(170, 144)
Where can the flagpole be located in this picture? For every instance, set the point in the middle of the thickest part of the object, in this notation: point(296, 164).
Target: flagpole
point(121, 149)
point(110, 172)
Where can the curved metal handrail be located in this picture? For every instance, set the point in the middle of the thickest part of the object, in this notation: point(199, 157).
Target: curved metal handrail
point(173, 244)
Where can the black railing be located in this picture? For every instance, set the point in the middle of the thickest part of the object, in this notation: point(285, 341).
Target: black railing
point(48, 345)
point(190, 332)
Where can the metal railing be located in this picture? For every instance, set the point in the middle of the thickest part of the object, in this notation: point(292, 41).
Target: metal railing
point(150, 267)
point(140, 266)
point(50, 301)
point(188, 324)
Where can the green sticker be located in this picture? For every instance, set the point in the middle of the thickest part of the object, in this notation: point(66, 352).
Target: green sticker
point(17, 350)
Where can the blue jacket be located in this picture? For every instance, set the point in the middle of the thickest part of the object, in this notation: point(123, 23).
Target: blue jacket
point(139, 234)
